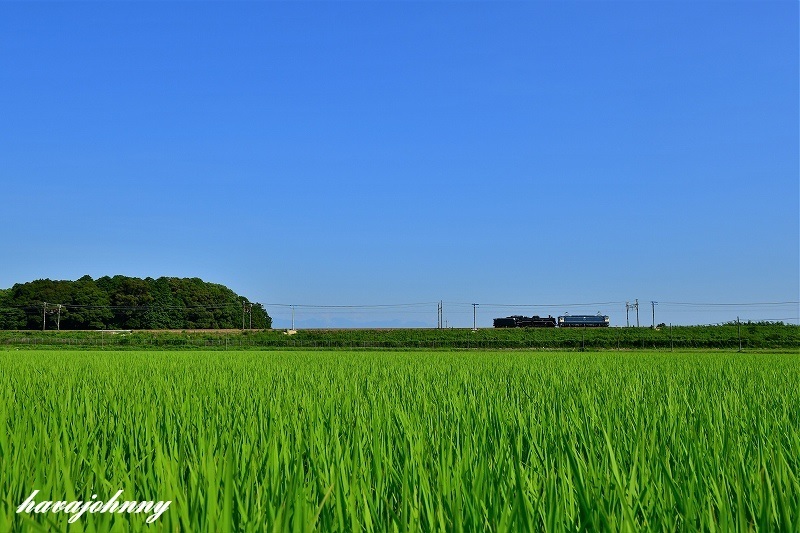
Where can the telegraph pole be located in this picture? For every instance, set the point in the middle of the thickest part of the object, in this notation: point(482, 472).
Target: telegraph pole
point(652, 303)
point(474, 316)
point(627, 314)
point(44, 316)
point(58, 320)
point(293, 318)
point(634, 306)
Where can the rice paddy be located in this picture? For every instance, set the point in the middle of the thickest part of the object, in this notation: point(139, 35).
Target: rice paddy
point(404, 441)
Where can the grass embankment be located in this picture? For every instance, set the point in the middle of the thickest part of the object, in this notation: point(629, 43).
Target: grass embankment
point(748, 336)
point(388, 441)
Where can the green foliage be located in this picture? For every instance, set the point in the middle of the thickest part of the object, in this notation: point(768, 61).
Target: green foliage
point(423, 441)
point(10, 317)
point(91, 310)
point(752, 337)
point(122, 302)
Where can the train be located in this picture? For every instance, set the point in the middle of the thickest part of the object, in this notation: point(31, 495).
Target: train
point(566, 321)
point(519, 321)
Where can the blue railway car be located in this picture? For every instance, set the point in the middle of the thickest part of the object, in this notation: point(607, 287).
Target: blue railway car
point(583, 321)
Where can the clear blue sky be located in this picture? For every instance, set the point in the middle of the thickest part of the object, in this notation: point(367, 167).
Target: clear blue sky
point(352, 153)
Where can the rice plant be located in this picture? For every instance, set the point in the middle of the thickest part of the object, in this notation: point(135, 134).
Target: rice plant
point(404, 441)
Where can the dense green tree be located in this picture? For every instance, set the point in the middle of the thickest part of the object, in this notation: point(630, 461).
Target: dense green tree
point(34, 298)
point(90, 307)
point(11, 317)
point(122, 302)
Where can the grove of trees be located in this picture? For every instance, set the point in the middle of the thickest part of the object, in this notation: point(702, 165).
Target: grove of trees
point(123, 302)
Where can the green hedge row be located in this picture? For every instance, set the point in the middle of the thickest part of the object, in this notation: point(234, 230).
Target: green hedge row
point(748, 336)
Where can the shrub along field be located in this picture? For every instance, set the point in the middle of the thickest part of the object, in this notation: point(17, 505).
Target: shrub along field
point(405, 441)
point(730, 337)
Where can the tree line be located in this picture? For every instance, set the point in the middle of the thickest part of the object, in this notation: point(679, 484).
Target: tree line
point(122, 302)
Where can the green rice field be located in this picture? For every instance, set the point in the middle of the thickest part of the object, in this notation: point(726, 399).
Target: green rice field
point(404, 441)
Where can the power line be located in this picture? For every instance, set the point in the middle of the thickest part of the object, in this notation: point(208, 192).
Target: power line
point(589, 304)
point(364, 306)
point(728, 304)
point(135, 307)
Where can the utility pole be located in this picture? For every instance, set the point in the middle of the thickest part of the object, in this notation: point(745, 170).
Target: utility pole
point(58, 320)
point(293, 318)
point(243, 306)
point(250, 312)
point(439, 314)
point(634, 306)
point(44, 316)
point(652, 303)
point(474, 317)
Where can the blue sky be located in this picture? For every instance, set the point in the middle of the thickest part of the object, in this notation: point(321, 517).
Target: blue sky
point(349, 153)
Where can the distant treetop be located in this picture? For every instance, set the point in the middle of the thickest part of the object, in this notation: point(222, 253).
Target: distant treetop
point(123, 302)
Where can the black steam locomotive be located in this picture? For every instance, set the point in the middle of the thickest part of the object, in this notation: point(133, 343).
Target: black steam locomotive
point(566, 321)
point(518, 321)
